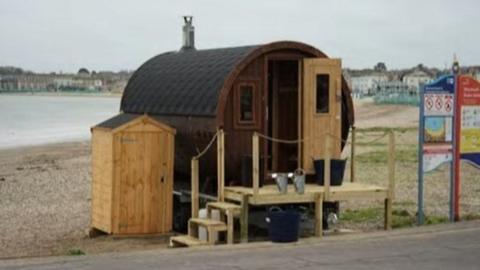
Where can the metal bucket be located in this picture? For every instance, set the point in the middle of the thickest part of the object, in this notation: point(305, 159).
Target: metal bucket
point(299, 181)
point(281, 179)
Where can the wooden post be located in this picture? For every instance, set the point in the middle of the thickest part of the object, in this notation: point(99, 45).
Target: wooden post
point(299, 117)
point(194, 184)
point(229, 227)
point(220, 165)
point(388, 214)
point(352, 154)
point(327, 167)
point(391, 181)
point(255, 161)
point(244, 220)
point(318, 215)
point(391, 165)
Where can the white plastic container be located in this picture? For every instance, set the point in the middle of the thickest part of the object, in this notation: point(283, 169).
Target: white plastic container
point(202, 232)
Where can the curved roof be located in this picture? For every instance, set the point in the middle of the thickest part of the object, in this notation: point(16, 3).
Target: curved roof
point(181, 83)
point(196, 82)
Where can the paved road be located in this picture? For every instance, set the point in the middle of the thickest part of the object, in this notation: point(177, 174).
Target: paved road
point(432, 247)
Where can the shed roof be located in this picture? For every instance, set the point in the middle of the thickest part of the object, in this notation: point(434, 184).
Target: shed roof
point(118, 120)
point(181, 83)
point(123, 120)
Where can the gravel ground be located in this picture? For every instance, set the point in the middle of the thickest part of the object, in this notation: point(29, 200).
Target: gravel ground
point(44, 197)
point(45, 192)
point(45, 204)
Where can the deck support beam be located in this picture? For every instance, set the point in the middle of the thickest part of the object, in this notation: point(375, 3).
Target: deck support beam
point(318, 215)
point(244, 219)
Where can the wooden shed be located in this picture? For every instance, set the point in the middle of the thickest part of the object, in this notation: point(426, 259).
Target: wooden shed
point(132, 175)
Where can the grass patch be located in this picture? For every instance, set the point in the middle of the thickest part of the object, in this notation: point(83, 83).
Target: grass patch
point(386, 129)
point(401, 218)
point(432, 220)
point(408, 155)
point(361, 215)
point(371, 144)
point(471, 217)
point(75, 252)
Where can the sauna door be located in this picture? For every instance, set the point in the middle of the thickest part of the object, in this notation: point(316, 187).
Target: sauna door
point(322, 95)
point(142, 183)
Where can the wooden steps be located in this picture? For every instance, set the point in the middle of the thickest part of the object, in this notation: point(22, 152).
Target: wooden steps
point(227, 213)
point(186, 241)
point(224, 207)
point(214, 225)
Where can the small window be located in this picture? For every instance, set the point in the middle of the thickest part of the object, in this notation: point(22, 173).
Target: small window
point(323, 86)
point(246, 103)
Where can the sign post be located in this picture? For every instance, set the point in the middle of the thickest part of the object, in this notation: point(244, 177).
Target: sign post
point(436, 135)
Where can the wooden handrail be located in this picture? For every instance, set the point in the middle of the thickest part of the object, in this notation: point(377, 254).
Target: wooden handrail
point(326, 168)
point(194, 187)
point(195, 174)
point(391, 165)
point(255, 163)
point(221, 165)
point(352, 156)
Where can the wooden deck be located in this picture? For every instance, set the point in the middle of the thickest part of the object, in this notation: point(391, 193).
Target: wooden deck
point(269, 195)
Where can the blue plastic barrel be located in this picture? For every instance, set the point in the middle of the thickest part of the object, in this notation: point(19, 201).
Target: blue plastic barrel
point(283, 225)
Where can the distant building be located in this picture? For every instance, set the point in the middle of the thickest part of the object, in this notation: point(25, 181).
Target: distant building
point(394, 87)
point(26, 82)
point(416, 77)
point(13, 79)
point(366, 83)
point(473, 71)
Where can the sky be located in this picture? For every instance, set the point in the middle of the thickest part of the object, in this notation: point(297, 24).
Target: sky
point(64, 35)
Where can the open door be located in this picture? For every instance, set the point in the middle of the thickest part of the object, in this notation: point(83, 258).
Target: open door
point(321, 109)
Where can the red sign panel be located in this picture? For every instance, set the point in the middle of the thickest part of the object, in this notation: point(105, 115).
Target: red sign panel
point(468, 91)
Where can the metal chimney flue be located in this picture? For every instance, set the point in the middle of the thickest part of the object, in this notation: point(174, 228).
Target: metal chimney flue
point(188, 34)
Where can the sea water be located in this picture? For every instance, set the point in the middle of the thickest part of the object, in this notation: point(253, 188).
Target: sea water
point(34, 119)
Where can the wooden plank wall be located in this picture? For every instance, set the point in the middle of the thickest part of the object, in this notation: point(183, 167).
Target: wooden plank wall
point(102, 175)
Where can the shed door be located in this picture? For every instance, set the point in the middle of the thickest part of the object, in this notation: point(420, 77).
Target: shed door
point(321, 109)
point(142, 182)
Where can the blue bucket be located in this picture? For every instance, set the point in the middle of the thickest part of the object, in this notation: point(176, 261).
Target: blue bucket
point(283, 225)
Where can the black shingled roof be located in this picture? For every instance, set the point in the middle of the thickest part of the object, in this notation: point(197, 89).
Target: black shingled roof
point(118, 120)
point(181, 83)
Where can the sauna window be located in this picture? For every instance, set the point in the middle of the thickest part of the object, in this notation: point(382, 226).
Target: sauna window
point(322, 93)
point(246, 103)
